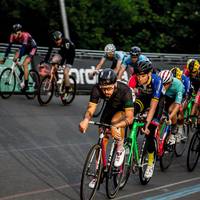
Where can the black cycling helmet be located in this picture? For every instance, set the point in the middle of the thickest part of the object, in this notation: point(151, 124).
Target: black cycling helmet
point(57, 35)
point(143, 67)
point(135, 51)
point(107, 77)
point(17, 27)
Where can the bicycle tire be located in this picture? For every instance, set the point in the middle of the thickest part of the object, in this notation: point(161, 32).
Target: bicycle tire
point(144, 163)
point(113, 178)
point(99, 108)
point(34, 81)
point(72, 92)
point(167, 156)
point(44, 93)
point(182, 144)
point(91, 157)
point(192, 161)
point(127, 167)
point(7, 78)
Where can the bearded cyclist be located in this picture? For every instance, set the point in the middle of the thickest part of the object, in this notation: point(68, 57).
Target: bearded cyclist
point(28, 48)
point(119, 99)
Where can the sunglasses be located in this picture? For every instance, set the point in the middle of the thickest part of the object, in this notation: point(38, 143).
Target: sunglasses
point(107, 88)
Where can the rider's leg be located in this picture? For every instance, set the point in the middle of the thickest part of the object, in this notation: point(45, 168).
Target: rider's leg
point(26, 62)
point(66, 78)
point(53, 71)
point(119, 134)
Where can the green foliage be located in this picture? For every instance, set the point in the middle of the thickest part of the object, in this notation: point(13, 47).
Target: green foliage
point(155, 26)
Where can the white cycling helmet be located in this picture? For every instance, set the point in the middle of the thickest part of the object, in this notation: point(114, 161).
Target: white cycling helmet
point(56, 59)
point(166, 76)
point(109, 48)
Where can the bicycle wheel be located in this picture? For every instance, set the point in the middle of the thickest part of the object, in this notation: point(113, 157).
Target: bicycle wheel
point(67, 99)
point(45, 91)
point(144, 164)
point(181, 142)
point(127, 166)
point(113, 178)
point(99, 108)
point(167, 156)
point(193, 152)
point(91, 171)
point(7, 83)
point(33, 84)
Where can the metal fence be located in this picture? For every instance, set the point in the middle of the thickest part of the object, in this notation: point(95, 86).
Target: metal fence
point(85, 59)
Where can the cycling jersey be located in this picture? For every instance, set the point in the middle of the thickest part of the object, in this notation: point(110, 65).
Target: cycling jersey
point(66, 50)
point(195, 82)
point(186, 83)
point(128, 62)
point(28, 44)
point(147, 92)
point(120, 99)
point(175, 91)
point(118, 55)
point(153, 88)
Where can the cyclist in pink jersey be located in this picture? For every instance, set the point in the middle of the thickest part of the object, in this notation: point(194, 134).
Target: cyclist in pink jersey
point(28, 47)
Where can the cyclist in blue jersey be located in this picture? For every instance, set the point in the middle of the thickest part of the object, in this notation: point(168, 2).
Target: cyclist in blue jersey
point(111, 54)
point(131, 60)
point(174, 91)
point(149, 95)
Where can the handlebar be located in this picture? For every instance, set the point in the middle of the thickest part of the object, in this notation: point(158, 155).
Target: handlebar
point(101, 124)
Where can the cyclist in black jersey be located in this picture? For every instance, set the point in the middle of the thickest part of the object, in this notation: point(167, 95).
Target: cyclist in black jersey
point(118, 110)
point(67, 53)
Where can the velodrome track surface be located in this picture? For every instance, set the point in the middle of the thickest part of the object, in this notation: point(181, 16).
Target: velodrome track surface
point(42, 155)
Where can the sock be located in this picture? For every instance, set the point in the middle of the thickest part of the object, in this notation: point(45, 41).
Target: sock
point(150, 158)
point(120, 144)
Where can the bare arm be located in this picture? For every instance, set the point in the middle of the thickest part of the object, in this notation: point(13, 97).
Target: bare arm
point(118, 66)
point(153, 106)
point(88, 115)
point(121, 71)
point(174, 111)
point(128, 119)
point(101, 62)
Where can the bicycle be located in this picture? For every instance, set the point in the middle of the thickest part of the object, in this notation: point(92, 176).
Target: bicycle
point(50, 85)
point(194, 150)
point(9, 78)
point(164, 150)
point(98, 167)
point(187, 111)
point(135, 158)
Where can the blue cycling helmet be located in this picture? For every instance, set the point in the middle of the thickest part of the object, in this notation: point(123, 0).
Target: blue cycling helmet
point(135, 51)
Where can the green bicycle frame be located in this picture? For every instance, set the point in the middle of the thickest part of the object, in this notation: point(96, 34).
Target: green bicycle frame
point(132, 139)
point(188, 110)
